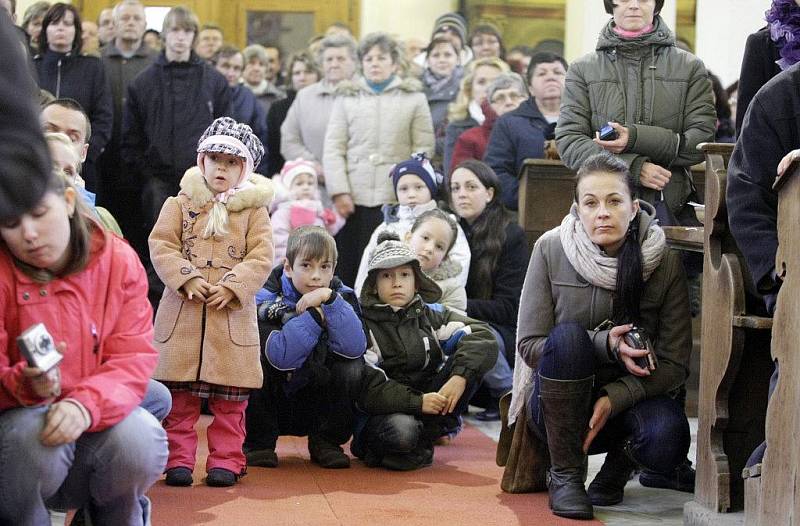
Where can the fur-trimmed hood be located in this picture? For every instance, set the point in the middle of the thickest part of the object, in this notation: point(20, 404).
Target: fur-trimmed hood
point(358, 85)
point(194, 187)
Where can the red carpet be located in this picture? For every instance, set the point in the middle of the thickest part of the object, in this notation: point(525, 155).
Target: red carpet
point(462, 487)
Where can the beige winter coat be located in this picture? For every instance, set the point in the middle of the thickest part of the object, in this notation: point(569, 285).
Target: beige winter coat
point(198, 343)
point(368, 133)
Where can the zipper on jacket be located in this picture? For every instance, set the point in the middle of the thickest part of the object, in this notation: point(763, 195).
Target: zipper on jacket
point(58, 80)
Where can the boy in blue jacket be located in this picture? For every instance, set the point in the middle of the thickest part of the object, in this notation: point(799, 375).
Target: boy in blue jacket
point(313, 363)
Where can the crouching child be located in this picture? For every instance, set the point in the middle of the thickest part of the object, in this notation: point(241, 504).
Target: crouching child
point(313, 342)
point(433, 358)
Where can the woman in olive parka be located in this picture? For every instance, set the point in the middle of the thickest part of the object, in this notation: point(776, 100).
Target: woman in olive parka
point(656, 96)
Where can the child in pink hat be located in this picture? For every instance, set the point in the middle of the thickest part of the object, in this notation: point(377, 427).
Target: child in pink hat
point(303, 206)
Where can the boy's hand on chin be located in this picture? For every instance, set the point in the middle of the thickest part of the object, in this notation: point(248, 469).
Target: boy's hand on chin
point(315, 298)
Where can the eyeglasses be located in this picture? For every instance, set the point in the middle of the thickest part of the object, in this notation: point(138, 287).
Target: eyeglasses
point(506, 97)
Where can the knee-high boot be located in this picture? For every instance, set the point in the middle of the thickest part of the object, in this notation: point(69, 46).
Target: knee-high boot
point(566, 406)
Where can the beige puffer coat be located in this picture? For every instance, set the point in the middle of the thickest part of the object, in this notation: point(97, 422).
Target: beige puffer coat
point(369, 133)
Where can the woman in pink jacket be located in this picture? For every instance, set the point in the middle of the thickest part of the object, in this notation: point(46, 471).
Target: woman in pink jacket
point(74, 435)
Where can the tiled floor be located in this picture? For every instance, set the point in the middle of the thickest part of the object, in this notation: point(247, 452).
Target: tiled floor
point(642, 506)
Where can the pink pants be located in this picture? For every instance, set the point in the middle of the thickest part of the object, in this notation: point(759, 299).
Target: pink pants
point(225, 433)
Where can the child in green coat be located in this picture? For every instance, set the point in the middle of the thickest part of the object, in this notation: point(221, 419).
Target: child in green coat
point(433, 357)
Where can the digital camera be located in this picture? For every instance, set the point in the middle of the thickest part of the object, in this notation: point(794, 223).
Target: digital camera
point(38, 348)
point(637, 338)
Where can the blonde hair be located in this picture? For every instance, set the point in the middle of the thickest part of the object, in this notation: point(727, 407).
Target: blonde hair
point(217, 221)
point(459, 108)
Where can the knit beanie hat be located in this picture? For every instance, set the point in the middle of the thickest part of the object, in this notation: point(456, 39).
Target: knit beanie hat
point(225, 135)
point(292, 169)
point(390, 252)
point(420, 166)
point(453, 22)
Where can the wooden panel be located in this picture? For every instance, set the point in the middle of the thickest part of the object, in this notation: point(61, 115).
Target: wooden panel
point(546, 193)
point(780, 487)
point(230, 15)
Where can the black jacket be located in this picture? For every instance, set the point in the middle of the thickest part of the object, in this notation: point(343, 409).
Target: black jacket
point(771, 129)
point(516, 136)
point(83, 78)
point(758, 66)
point(501, 309)
point(25, 165)
point(169, 106)
point(275, 117)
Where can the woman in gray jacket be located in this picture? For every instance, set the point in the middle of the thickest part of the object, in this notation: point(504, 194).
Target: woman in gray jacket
point(656, 97)
point(582, 387)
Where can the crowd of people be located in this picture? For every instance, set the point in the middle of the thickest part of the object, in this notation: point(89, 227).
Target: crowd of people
point(326, 244)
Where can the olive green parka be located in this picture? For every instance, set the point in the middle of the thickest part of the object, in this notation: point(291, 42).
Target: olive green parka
point(659, 92)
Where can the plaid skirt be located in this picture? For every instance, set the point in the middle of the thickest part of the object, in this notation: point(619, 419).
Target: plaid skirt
point(207, 390)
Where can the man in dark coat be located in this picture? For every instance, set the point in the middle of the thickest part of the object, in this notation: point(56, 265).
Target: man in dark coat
point(769, 139)
point(24, 159)
point(124, 58)
point(169, 106)
point(770, 131)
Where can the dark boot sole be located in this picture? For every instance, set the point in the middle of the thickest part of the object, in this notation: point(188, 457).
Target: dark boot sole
point(574, 515)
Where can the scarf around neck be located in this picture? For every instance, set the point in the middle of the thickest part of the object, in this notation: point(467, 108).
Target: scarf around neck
point(593, 264)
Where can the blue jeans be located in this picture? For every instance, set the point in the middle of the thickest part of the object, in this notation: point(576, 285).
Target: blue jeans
point(157, 400)
point(499, 378)
point(109, 469)
point(655, 431)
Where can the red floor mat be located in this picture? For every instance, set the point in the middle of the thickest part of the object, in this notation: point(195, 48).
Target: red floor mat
point(462, 487)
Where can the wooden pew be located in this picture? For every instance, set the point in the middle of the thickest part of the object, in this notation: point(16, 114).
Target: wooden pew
point(546, 191)
point(773, 492)
point(735, 364)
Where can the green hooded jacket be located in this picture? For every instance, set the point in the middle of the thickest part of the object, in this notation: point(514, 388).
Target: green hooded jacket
point(659, 92)
point(410, 345)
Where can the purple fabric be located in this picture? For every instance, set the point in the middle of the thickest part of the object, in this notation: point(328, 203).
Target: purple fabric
point(784, 28)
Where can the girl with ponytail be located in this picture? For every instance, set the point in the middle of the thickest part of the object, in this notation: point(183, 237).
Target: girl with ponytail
point(212, 248)
point(577, 385)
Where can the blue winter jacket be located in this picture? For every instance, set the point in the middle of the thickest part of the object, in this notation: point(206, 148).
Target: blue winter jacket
point(293, 338)
point(517, 135)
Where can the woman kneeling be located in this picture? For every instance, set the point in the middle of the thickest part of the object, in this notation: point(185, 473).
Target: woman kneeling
point(592, 283)
point(73, 436)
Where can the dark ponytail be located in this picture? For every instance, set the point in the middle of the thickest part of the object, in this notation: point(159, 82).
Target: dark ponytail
point(628, 293)
point(628, 290)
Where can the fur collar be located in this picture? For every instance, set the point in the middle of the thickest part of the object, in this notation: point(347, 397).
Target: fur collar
point(356, 86)
point(193, 186)
point(448, 268)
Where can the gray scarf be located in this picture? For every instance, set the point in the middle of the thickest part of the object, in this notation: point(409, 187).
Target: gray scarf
point(596, 266)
